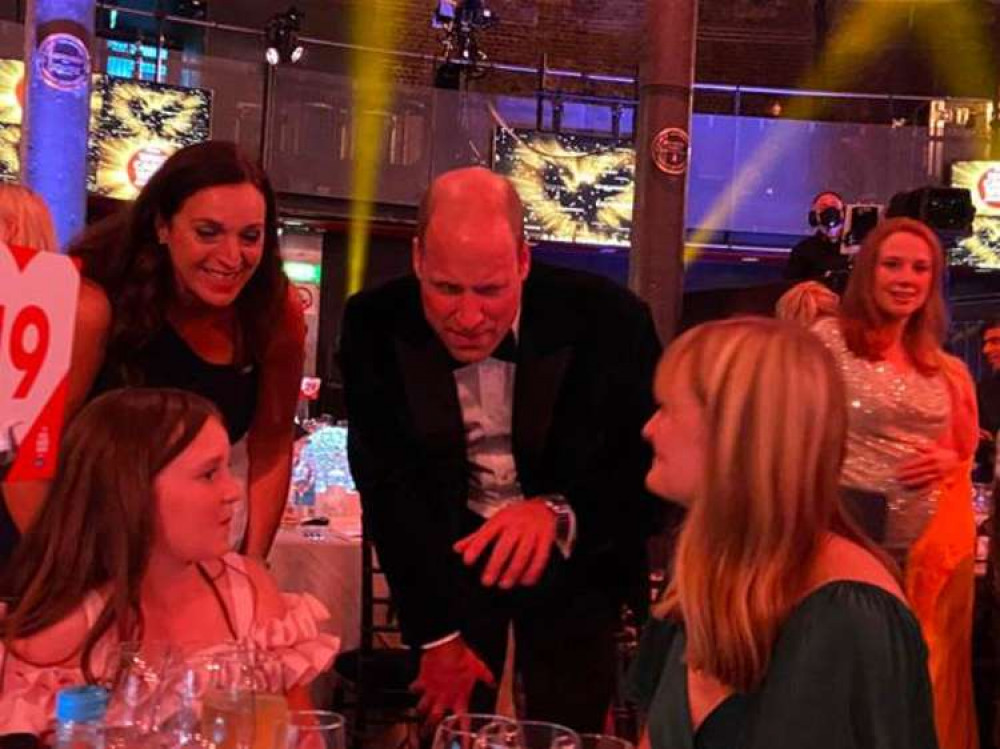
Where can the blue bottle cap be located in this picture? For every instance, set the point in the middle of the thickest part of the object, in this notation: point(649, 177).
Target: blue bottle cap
point(81, 704)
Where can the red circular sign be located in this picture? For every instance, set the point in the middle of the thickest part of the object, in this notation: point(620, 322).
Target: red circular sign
point(989, 187)
point(306, 297)
point(670, 151)
point(144, 164)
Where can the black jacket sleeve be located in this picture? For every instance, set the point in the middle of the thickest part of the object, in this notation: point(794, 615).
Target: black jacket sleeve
point(401, 491)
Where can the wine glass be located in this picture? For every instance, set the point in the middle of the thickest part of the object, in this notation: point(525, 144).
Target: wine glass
point(475, 731)
point(231, 699)
point(535, 734)
point(134, 676)
point(600, 741)
point(314, 729)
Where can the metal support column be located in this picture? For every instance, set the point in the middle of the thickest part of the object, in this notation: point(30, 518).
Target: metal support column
point(656, 266)
point(57, 52)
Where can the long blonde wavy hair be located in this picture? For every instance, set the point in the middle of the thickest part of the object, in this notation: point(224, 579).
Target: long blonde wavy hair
point(775, 416)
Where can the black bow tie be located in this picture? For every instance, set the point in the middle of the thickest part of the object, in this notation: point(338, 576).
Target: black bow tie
point(506, 351)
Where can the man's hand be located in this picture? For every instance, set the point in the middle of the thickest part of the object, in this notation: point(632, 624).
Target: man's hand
point(929, 467)
point(522, 535)
point(448, 674)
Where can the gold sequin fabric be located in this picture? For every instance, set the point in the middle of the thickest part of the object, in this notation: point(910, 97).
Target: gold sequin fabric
point(891, 415)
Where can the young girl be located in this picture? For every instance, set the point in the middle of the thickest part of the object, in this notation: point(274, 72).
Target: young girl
point(132, 544)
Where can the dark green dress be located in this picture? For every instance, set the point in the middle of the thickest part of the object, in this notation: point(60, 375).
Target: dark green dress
point(848, 671)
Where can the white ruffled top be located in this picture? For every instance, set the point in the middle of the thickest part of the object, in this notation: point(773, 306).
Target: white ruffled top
point(27, 692)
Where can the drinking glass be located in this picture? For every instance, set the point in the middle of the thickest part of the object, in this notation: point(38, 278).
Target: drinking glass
point(600, 741)
point(234, 699)
point(534, 734)
point(134, 678)
point(475, 731)
point(314, 729)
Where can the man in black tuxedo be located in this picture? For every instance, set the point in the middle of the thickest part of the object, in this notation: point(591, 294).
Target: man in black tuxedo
point(495, 412)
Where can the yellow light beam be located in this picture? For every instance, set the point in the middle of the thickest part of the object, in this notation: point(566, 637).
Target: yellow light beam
point(855, 43)
point(970, 47)
point(374, 24)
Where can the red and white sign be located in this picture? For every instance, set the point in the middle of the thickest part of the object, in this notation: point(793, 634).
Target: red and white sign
point(38, 297)
point(144, 163)
point(989, 187)
point(310, 388)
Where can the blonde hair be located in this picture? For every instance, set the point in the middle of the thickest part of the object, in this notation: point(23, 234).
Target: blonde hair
point(776, 420)
point(806, 302)
point(25, 219)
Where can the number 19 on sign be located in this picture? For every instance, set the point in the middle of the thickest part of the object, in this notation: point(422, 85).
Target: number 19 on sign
point(26, 345)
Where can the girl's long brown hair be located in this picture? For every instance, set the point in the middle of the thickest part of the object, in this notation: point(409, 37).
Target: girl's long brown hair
point(95, 529)
point(863, 323)
point(776, 420)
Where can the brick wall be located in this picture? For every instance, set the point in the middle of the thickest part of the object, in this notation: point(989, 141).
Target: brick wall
point(751, 42)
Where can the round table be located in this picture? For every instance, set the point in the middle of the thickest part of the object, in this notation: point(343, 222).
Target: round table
point(324, 561)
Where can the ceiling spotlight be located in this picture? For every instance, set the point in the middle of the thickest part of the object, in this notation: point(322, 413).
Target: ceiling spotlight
point(282, 34)
point(462, 21)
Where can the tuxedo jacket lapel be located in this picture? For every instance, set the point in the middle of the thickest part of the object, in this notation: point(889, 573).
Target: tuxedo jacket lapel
point(430, 392)
point(545, 350)
point(546, 339)
point(536, 391)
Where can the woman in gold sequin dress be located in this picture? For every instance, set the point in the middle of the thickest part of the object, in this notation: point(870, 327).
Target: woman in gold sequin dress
point(911, 436)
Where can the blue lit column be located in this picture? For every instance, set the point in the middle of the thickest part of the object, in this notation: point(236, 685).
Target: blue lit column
point(57, 59)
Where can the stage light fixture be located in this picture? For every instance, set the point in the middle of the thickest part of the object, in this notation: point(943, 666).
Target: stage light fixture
point(282, 34)
point(462, 20)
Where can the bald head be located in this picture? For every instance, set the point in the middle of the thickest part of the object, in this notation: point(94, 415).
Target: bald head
point(471, 260)
point(471, 196)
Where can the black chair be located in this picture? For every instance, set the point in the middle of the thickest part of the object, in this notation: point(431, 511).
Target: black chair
point(374, 680)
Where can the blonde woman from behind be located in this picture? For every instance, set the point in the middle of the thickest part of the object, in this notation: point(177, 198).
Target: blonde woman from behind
point(783, 626)
point(807, 302)
point(25, 220)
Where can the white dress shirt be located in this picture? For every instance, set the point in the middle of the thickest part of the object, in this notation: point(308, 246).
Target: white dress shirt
point(486, 397)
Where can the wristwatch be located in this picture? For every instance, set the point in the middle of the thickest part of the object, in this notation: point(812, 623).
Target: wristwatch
point(564, 515)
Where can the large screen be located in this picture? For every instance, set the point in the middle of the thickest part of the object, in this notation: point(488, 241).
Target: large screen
point(982, 180)
point(140, 125)
point(134, 127)
point(574, 188)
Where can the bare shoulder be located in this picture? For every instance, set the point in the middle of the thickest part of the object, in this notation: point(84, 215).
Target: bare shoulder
point(842, 560)
point(93, 307)
point(270, 604)
point(288, 333)
point(58, 644)
point(293, 316)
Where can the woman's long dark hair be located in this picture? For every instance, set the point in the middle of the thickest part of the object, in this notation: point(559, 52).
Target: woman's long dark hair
point(95, 530)
point(122, 254)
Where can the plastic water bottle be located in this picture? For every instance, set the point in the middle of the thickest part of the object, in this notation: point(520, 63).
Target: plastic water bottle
point(304, 489)
point(80, 717)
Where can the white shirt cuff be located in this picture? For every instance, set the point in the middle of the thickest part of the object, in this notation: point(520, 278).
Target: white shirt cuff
point(565, 545)
point(441, 641)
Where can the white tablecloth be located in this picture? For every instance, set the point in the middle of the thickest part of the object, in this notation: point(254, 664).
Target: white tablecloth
point(326, 563)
